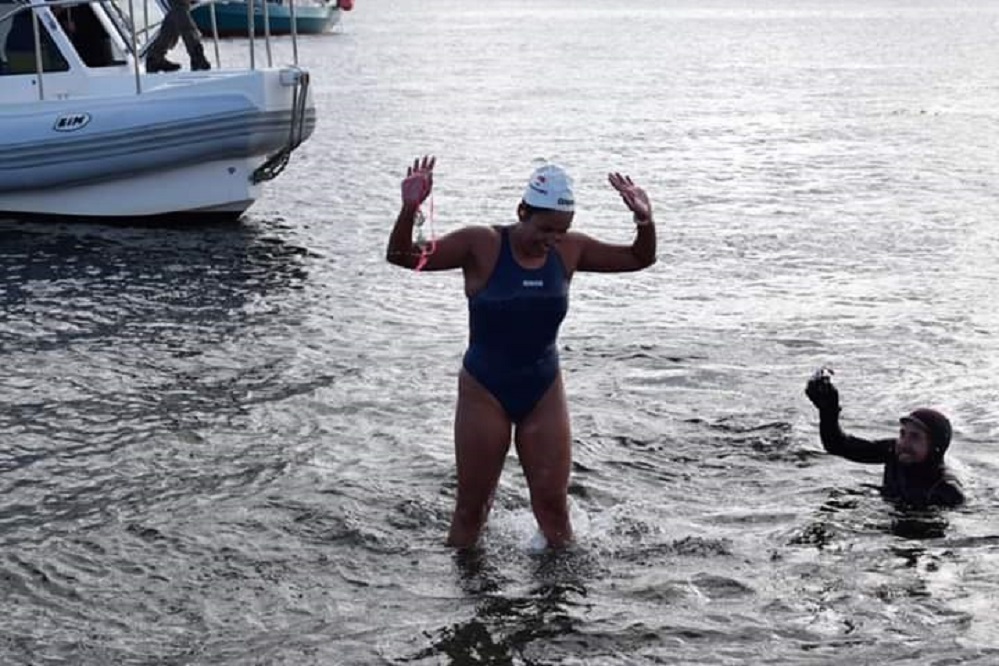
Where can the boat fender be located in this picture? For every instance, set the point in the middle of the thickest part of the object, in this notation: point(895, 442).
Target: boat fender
point(345, 5)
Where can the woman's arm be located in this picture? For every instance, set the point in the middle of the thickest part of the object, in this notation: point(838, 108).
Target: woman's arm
point(453, 250)
point(597, 256)
point(416, 187)
point(402, 251)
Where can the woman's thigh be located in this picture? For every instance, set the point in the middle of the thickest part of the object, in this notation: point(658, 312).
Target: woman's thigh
point(544, 443)
point(481, 440)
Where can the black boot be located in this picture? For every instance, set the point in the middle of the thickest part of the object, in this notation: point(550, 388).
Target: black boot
point(199, 61)
point(154, 65)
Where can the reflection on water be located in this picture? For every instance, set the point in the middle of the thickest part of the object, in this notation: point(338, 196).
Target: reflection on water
point(919, 524)
point(505, 626)
point(476, 573)
point(115, 338)
point(63, 284)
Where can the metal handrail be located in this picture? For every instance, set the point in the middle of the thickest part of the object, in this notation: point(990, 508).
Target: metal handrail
point(39, 65)
point(135, 42)
point(251, 29)
point(267, 32)
point(215, 35)
point(294, 31)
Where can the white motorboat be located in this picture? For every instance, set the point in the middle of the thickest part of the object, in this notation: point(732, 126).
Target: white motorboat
point(86, 132)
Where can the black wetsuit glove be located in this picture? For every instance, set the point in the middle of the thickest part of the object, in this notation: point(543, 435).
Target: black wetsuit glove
point(824, 396)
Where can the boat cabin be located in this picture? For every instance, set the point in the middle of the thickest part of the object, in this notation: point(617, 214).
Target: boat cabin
point(72, 35)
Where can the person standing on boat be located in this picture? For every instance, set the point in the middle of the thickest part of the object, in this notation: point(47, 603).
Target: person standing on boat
point(517, 280)
point(177, 24)
point(914, 472)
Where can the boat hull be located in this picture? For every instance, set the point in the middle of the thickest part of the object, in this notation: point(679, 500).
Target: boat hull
point(174, 149)
point(231, 19)
point(220, 188)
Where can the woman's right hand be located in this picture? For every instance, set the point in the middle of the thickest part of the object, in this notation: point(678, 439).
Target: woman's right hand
point(419, 181)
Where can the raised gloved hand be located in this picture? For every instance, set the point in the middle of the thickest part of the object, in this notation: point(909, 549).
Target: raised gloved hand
point(822, 393)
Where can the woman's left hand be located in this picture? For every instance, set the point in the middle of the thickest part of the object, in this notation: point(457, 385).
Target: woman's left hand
point(419, 181)
point(633, 197)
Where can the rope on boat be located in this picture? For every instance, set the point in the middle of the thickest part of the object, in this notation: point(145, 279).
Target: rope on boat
point(276, 163)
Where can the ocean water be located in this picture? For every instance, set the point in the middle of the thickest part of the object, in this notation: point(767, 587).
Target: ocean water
point(231, 445)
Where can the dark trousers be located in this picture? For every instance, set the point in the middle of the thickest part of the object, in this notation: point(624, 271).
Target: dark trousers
point(177, 24)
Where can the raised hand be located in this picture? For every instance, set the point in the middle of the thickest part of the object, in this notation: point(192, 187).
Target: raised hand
point(633, 197)
point(822, 393)
point(419, 181)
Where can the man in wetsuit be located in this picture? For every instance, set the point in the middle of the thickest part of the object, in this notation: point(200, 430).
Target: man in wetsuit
point(914, 472)
point(517, 279)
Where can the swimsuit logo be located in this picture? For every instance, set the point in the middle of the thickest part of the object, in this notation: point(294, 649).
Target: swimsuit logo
point(534, 283)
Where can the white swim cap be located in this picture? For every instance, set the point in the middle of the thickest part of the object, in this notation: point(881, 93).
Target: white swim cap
point(550, 187)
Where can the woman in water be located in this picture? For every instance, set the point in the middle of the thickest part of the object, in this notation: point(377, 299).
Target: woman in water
point(517, 282)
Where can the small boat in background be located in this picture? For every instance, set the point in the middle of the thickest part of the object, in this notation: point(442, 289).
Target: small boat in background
point(232, 16)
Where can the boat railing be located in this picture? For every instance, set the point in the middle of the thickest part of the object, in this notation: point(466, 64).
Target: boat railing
point(130, 33)
point(251, 31)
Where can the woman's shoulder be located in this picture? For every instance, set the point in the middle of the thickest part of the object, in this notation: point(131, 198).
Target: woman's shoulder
point(478, 242)
point(480, 230)
point(479, 235)
point(571, 247)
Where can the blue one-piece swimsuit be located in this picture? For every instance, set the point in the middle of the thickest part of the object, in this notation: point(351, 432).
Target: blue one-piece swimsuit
point(513, 327)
